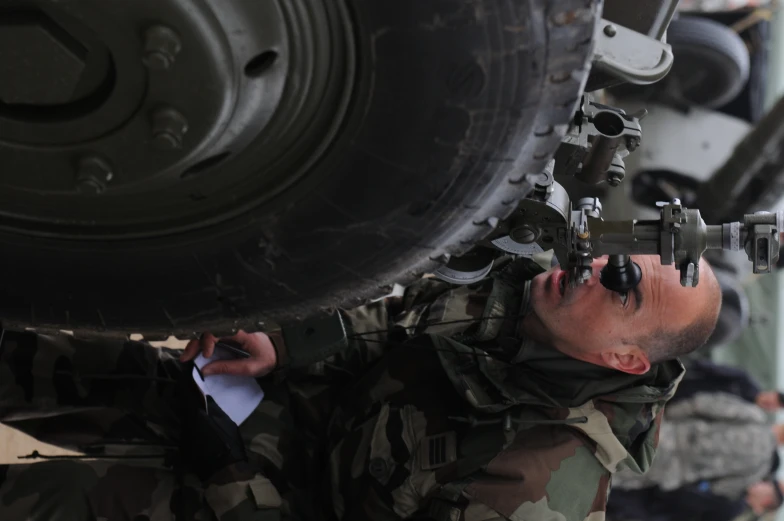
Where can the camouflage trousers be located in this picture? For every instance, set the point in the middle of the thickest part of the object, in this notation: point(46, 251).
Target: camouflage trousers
point(114, 402)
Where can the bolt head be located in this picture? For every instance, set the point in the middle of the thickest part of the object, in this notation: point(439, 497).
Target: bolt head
point(93, 174)
point(90, 187)
point(524, 234)
point(157, 61)
point(610, 30)
point(165, 140)
point(161, 46)
point(168, 128)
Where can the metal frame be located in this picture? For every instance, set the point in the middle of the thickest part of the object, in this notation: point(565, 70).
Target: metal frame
point(644, 24)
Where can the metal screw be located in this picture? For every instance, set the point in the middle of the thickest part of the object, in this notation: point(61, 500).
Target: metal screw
point(92, 175)
point(168, 128)
point(610, 30)
point(161, 46)
point(524, 234)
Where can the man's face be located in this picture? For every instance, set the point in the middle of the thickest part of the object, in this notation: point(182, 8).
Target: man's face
point(590, 318)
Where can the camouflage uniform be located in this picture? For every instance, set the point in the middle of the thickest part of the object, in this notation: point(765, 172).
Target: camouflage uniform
point(436, 409)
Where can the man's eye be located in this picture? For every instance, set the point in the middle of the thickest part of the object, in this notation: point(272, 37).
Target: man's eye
point(624, 298)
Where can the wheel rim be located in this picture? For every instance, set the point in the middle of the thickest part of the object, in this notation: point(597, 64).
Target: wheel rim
point(138, 119)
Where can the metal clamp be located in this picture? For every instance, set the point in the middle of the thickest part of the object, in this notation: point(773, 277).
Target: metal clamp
point(631, 56)
point(594, 149)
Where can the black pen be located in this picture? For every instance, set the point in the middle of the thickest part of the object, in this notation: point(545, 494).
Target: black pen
point(234, 349)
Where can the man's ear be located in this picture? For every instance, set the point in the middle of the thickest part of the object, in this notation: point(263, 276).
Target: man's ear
point(627, 359)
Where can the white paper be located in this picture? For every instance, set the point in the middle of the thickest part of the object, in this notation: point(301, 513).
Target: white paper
point(238, 396)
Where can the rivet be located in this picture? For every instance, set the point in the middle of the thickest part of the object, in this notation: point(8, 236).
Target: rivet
point(168, 128)
point(161, 46)
point(92, 175)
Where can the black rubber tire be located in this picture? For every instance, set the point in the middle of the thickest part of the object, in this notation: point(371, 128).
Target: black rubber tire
point(459, 99)
point(712, 63)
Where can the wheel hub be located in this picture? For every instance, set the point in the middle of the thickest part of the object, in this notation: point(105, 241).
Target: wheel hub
point(187, 109)
point(43, 64)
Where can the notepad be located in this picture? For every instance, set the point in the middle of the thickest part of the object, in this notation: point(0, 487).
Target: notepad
point(238, 396)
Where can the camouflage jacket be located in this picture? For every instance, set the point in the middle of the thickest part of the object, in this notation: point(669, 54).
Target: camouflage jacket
point(449, 413)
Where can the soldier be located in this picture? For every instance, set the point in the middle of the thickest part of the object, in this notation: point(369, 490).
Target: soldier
point(514, 398)
point(717, 450)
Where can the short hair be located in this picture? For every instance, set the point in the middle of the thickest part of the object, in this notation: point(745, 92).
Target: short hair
point(669, 345)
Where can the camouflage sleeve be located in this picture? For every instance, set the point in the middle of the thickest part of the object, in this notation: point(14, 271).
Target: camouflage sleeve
point(427, 306)
point(561, 481)
point(545, 473)
point(440, 510)
point(532, 489)
point(240, 493)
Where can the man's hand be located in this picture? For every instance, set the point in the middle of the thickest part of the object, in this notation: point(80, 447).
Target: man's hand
point(761, 497)
point(768, 400)
point(263, 358)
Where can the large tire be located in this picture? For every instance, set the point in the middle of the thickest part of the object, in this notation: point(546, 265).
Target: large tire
point(452, 102)
point(712, 63)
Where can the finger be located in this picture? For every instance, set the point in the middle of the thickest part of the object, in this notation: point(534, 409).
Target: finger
point(208, 341)
point(240, 338)
point(191, 351)
point(234, 367)
point(244, 341)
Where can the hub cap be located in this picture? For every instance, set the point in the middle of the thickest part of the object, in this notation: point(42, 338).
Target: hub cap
point(135, 119)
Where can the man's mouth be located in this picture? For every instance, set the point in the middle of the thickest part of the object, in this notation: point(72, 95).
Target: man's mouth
point(559, 282)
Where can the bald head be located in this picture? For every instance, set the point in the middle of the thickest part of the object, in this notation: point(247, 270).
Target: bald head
point(658, 320)
point(676, 340)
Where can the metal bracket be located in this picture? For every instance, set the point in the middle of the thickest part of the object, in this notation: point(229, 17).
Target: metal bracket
point(762, 241)
point(595, 147)
point(631, 56)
